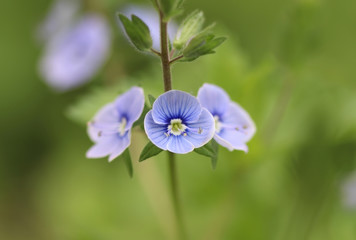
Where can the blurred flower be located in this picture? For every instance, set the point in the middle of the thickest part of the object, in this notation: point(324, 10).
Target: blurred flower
point(59, 17)
point(110, 129)
point(178, 123)
point(233, 125)
point(349, 191)
point(150, 16)
point(75, 55)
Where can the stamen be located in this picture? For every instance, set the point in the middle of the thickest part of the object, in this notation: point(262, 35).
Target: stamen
point(122, 126)
point(176, 127)
point(217, 124)
point(200, 130)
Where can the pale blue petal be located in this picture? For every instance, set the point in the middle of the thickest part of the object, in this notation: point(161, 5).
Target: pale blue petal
point(107, 117)
point(75, 54)
point(176, 104)
point(202, 131)
point(103, 147)
point(213, 98)
point(237, 118)
point(231, 139)
point(130, 105)
point(156, 132)
point(122, 144)
point(178, 144)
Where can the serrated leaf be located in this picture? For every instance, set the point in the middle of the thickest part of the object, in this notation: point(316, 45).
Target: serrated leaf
point(149, 151)
point(126, 157)
point(137, 31)
point(152, 99)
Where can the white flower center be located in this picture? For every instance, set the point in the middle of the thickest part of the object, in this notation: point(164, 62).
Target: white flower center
point(217, 124)
point(122, 126)
point(176, 127)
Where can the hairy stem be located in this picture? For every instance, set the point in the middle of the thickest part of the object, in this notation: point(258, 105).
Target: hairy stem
point(167, 79)
point(165, 55)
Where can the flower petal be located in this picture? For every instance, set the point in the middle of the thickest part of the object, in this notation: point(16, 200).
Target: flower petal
point(107, 117)
point(213, 98)
point(231, 139)
point(176, 104)
point(237, 117)
point(156, 132)
point(130, 105)
point(103, 147)
point(121, 145)
point(202, 131)
point(75, 55)
point(178, 144)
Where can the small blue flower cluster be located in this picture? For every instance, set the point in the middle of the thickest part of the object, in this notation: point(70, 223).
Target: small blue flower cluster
point(178, 122)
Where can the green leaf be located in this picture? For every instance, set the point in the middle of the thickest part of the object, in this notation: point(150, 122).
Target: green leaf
point(142, 117)
point(205, 150)
point(170, 8)
point(137, 31)
point(152, 99)
point(149, 151)
point(201, 45)
point(126, 157)
point(214, 159)
point(190, 26)
point(209, 150)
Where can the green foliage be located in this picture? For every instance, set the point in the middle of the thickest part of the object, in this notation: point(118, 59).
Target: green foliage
point(149, 151)
point(169, 8)
point(209, 150)
point(152, 99)
point(190, 26)
point(200, 45)
point(140, 121)
point(137, 31)
point(192, 41)
point(126, 157)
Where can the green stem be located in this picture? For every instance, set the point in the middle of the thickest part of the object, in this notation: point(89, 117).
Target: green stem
point(166, 68)
point(167, 79)
point(175, 194)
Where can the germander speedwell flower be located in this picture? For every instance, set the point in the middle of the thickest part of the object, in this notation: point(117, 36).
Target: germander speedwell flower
point(73, 56)
point(110, 129)
point(178, 123)
point(234, 126)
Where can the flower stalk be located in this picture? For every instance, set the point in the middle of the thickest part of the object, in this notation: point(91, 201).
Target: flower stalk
point(167, 79)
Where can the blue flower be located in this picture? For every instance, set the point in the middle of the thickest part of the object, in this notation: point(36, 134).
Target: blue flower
point(74, 55)
point(178, 123)
point(59, 17)
point(110, 129)
point(233, 125)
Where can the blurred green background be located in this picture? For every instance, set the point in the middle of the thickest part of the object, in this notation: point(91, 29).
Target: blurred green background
point(290, 64)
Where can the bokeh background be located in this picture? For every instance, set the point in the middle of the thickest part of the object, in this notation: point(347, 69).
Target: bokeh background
point(290, 64)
